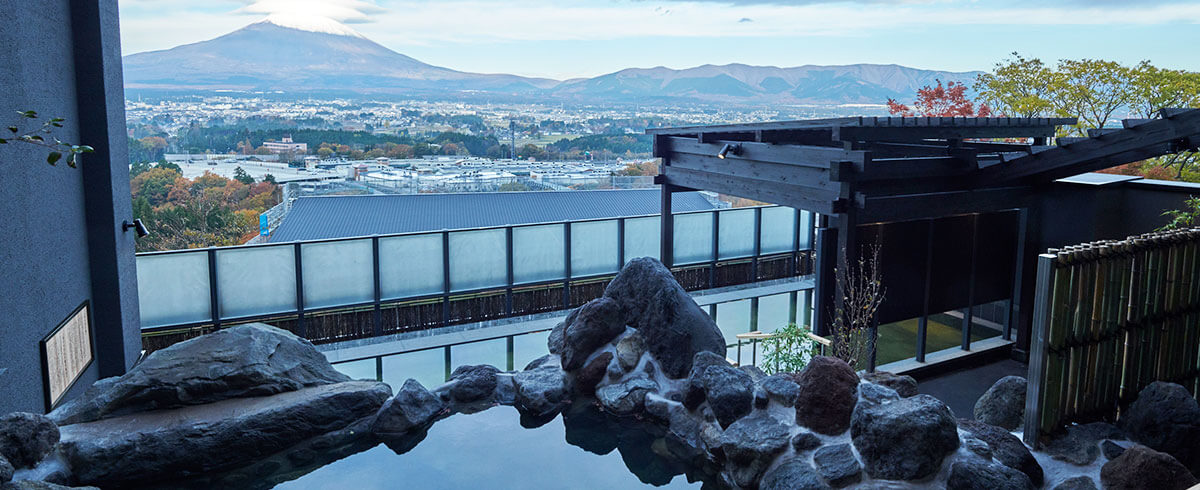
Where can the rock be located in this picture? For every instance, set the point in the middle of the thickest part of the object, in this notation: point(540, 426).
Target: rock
point(781, 389)
point(471, 383)
point(755, 373)
point(828, 392)
point(977, 446)
point(26, 438)
point(412, 407)
point(1140, 467)
point(730, 393)
point(1080, 445)
point(554, 343)
point(837, 465)
point(541, 392)
point(1111, 449)
point(193, 441)
point(615, 373)
point(546, 360)
point(1003, 405)
point(506, 389)
point(592, 325)
point(1006, 448)
point(978, 475)
point(673, 326)
point(903, 385)
point(630, 350)
point(793, 474)
point(590, 375)
point(760, 398)
point(243, 361)
point(805, 441)
point(1080, 482)
point(906, 439)
point(626, 398)
point(694, 392)
point(6, 471)
point(1166, 418)
point(40, 485)
point(873, 393)
point(754, 439)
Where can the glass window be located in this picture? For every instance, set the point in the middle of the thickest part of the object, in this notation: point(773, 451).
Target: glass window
point(736, 233)
point(778, 229)
point(643, 237)
point(173, 288)
point(593, 248)
point(337, 273)
point(693, 238)
point(256, 280)
point(478, 259)
point(538, 253)
point(410, 266)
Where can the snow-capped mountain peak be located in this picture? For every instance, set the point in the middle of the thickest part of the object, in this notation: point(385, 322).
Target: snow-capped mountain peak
point(311, 23)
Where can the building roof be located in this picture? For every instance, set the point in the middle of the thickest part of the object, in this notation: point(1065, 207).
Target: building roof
point(316, 218)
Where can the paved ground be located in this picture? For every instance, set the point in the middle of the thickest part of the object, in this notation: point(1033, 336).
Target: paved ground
point(281, 171)
point(960, 389)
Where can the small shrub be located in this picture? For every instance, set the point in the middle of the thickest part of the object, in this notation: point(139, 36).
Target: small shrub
point(788, 350)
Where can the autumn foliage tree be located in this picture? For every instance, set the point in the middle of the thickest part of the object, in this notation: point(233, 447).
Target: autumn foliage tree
point(209, 210)
point(940, 101)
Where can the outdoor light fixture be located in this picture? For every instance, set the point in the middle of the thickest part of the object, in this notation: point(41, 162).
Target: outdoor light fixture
point(729, 148)
point(137, 225)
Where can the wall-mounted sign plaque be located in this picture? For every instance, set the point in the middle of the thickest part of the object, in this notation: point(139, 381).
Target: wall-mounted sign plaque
point(66, 354)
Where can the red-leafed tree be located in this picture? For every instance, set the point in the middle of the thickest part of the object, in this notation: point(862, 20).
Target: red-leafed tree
point(939, 101)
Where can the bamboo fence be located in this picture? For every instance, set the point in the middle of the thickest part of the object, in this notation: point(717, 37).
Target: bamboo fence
point(1110, 318)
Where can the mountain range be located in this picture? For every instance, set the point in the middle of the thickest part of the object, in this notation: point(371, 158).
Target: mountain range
point(275, 55)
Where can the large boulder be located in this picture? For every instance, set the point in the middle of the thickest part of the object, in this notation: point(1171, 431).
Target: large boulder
point(627, 397)
point(694, 391)
point(1166, 418)
point(674, 327)
point(906, 439)
point(904, 385)
point(730, 393)
point(591, 326)
point(781, 389)
point(982, 475)
point(6, 471)
point(1081, 482)
point(828, 392)
point(1140, 467)
point(471, 383)
point(757, 438)
point(587, 377)
point(1003, 405)
point(195, 441)
point(1081, 443)
point(1006, 448)
point(837, 465)
point(26, 438)
point(243, 361)
point(412, 407)
point(793, 474)
point(541, 392)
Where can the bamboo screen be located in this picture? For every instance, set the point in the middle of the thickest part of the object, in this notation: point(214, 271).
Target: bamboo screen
point(1111, 317)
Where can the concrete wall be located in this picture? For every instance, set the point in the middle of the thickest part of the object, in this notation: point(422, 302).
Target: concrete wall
point(61, 241)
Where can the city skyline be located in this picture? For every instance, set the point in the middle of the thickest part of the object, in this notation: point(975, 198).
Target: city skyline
point(592, 37)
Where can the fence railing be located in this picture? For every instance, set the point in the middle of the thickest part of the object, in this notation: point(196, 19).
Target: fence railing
point(421, 280)
point(1110, 318)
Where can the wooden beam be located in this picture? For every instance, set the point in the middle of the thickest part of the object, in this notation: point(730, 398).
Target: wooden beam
point(878, 169)
point(817, 201)
point(883, 209)
point(800, 176)
point(795, 155)
point(921, 133)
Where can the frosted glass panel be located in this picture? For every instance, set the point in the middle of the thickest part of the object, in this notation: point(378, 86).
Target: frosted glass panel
point(426, 366)
point(528, 347)
point(737, 233)
point(410, 266)
point(493, 352)
point(778, 229)
point(337, 273)
point(774, 312)
point(478, 259)
point(538, 253)
point(360, 369)
point(256, 281)
point(806, 224)
point(643, 237)
point(733, 318)
point(173, 288)
point(593, 248)
point(693, 238)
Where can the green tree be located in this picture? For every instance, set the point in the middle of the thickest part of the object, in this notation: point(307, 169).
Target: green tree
point(1187, 217)
point(268, 178)
point(1019, 87)
point(513, 187)
point(240, 175)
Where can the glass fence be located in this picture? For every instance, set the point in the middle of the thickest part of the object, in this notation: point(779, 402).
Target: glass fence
point(242, 283)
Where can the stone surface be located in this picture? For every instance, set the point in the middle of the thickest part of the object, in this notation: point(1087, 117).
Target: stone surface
point(793, 474)
point(754, 439)
point(412, 407)
point(548, 359)
point(837, 465)
point(40, 485)
point(730, 393)
point(471, 383)
point(979, 475)
point(242, 361)
point(594, 324)
point(6, 471)
point(26, 438)
point(554, 343)
point(1006, 448)
point(694, 391)
point(977, 446)
point(906, 439)
point(873, 393)
point(828, 392)
point(805, 441)
point(903, 385)
point(1080, 482)
point(1140, 467)
point(1166, 418)
point(194, 441)
point(1111, 449)
point(541, 392)
point(1003, 405)
point(755, 373)
point(1080, 445)
point(627, 397)
point(630, 350)
point(590, 375)
point(781, 389)
point(673, 326)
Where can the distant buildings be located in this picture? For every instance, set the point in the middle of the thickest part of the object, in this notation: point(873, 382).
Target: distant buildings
point(286, 146)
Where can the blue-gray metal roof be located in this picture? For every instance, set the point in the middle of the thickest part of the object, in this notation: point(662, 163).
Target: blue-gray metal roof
point(317, 218)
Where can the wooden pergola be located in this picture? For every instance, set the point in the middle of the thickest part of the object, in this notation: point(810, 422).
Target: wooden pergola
point(861, 170)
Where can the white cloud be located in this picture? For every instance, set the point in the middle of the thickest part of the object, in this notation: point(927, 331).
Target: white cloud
point(344, 11)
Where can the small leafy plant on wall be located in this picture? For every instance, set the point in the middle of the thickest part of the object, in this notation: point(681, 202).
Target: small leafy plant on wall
point(26, 131)
point(787, 350)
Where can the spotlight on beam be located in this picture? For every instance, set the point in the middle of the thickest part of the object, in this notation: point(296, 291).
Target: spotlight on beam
point(729, 148)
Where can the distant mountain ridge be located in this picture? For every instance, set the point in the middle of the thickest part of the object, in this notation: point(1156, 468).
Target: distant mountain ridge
point(275, 54)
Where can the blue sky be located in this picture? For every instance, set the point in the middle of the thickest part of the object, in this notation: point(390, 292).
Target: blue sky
point(573, 38)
